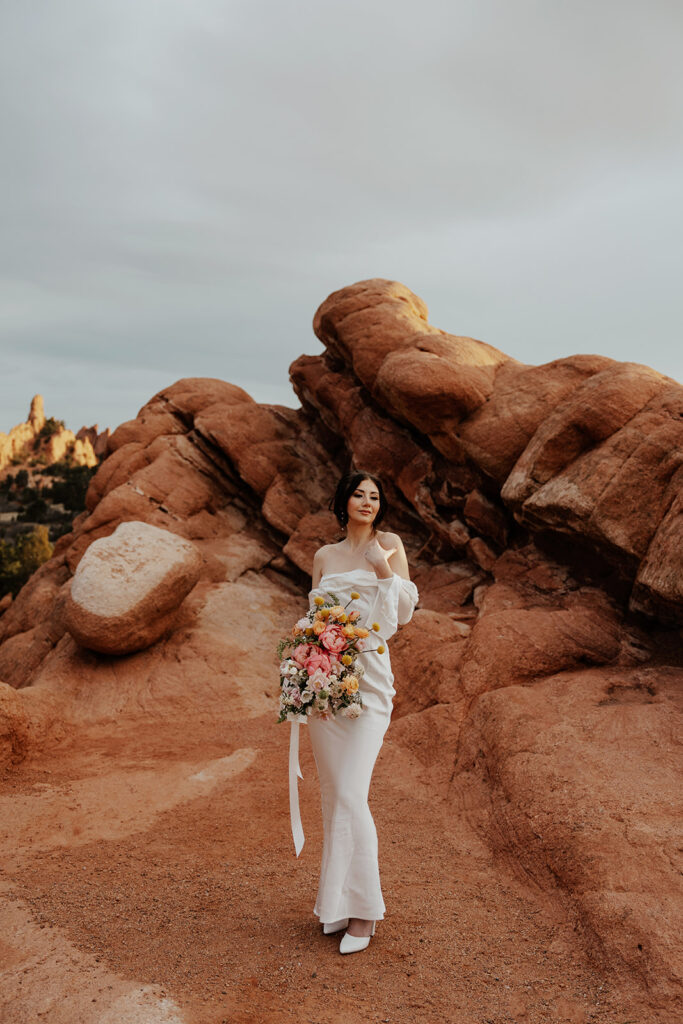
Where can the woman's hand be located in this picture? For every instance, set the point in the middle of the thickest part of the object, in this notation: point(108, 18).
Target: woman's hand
point(378, 557)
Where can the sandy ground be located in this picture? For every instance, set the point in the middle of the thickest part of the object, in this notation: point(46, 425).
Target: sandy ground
point(149, 877)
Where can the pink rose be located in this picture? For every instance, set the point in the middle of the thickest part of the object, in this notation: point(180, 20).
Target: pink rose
point(318, 681)
point(317, 659)
point(301, 653)
point(333, 639)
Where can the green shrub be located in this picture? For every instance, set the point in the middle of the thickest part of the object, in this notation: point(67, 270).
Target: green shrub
point(19, 560)
point(50, 427)
point(71, 489)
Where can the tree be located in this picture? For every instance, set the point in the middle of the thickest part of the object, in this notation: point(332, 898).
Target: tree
point(51, 426)
point(20, 560)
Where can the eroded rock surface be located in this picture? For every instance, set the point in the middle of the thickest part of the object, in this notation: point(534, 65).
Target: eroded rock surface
point(539, 682)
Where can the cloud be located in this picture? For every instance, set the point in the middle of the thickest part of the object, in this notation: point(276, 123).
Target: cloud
point(184, 184)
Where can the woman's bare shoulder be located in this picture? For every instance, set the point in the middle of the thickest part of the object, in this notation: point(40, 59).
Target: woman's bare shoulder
point(390, 539)
point(398, 560)
point(323, 551)
point(320, 559)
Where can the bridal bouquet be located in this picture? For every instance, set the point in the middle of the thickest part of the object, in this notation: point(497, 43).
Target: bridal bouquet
point(318, 671)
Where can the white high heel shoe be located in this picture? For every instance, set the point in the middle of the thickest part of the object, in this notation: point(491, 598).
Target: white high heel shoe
point(335, 926)
point(354, 943)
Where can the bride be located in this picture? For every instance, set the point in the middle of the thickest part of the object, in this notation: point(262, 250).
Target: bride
point(371, 565)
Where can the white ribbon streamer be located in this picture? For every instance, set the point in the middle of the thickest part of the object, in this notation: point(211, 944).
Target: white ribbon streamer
point(294, 770)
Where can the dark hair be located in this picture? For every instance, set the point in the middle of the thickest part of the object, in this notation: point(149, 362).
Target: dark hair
point(345, 488)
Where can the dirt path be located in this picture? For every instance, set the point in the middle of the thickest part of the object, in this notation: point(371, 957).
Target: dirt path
point(149, 877)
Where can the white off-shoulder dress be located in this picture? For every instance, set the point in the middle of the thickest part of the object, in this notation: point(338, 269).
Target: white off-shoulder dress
point(345, 751)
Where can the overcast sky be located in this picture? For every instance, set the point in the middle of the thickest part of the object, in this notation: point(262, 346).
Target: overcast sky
point(184, 182)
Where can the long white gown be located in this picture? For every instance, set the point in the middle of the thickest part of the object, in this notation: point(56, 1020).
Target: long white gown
point(345, 752)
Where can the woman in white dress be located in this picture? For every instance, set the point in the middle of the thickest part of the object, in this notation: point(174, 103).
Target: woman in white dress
point(372, 564)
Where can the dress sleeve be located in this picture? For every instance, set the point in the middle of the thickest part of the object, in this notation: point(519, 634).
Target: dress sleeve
point(386, 611)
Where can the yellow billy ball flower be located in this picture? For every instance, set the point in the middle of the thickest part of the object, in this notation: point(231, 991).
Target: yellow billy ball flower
point(380, 649)
point(354, 595)
point(318, 601)
point(343, 617)
point(347, 659)
point(375, 626)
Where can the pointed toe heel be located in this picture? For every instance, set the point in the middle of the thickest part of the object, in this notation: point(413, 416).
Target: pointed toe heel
point(355, 943)
point(335, 926)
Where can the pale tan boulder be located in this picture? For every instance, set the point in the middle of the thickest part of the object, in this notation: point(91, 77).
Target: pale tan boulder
point(128, 586)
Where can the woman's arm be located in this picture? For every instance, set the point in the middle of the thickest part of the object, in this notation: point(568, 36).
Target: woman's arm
point(394, 562)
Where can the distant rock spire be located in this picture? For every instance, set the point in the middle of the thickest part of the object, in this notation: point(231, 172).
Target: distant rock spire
point(36, 416)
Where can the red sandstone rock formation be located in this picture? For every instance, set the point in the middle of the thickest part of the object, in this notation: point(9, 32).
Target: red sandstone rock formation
point(539, 683)
point(98, 439)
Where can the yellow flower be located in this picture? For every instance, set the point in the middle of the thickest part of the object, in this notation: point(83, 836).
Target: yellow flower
point(380, 649)
point(354, 595)
point(343, 617)
point(309, 630)
point(349, 631)
point(375, 626)
point(325, 613)
point(319, 601)
point(347, 659)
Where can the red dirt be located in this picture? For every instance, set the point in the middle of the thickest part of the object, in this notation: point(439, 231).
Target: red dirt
point(202, 914)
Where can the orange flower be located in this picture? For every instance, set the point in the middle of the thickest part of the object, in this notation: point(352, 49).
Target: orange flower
point(361, 631)
point(349, 631)
point(351, 684)
point(318, 628)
